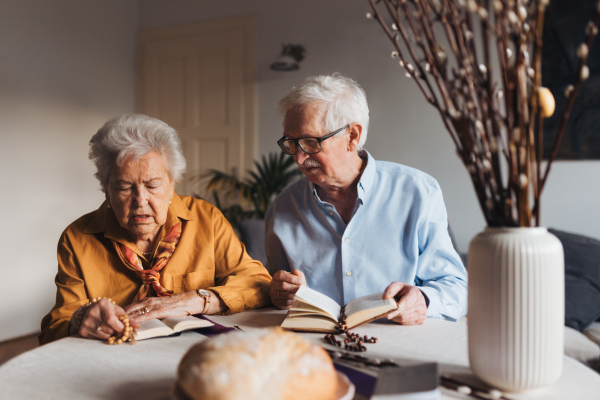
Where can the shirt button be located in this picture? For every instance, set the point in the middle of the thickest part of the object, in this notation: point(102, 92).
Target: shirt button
point(330, 212)
point(346, 240)
point(349, 273)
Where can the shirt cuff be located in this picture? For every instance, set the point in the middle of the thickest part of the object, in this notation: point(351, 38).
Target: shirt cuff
point(434, 304)
point(232, 299)
point(426, 298)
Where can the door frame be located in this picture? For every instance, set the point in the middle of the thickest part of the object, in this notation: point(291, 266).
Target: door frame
point(247, 25)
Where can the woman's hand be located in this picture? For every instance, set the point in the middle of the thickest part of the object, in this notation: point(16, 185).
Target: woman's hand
point(178, 305)
point(101, 320)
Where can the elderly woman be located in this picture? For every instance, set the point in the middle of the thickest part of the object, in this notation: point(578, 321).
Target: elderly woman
point(147, 252)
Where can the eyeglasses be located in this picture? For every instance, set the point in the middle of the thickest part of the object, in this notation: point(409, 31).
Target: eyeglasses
point(310, 145)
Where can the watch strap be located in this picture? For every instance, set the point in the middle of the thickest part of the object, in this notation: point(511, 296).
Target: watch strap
point(206, 298)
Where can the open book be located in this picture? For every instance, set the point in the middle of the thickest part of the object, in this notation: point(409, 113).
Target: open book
point(164, 327)
point(315, 312)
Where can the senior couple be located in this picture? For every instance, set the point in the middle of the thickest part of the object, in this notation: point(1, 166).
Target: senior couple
point(353, 226)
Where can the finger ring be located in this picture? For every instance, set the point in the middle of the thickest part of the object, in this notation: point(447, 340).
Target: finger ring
point(146, 311)
point(99, 328)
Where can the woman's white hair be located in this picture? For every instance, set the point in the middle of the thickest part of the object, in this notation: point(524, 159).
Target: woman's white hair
point(131, 137)
point(344, 101)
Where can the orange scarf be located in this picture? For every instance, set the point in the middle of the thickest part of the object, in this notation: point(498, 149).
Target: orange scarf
point(150, 277)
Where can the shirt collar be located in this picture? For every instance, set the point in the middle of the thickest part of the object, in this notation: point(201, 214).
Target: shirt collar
point(105, 220)
point(366, 179)
point(368, 176)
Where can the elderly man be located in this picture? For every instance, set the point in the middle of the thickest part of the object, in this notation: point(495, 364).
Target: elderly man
point(356, 226)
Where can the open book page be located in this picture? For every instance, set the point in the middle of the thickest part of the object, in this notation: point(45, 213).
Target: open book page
point(302, 308)
point(179, 324)
point(309, 321)
point(168, 326)
point(152, 328)
point(312, 297)
point(368, 307)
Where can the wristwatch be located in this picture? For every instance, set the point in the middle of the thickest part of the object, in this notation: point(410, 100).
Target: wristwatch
point(206, 295)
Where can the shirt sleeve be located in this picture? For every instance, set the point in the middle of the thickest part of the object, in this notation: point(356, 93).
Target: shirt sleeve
point(241, 282)
point(441, 275)
point(70, 293)
point(276, 257)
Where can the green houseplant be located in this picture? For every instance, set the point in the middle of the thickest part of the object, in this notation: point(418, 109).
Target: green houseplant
point(255, 192)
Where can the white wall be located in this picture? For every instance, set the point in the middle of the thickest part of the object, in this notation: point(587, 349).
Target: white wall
point(404, 129)
point(65, 68)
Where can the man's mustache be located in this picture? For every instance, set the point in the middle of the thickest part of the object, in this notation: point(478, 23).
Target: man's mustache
point(310, 163)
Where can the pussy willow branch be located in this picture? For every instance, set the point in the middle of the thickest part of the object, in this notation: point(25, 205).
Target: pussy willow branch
point(468, 100)
point(429, 93)
point(538, 151)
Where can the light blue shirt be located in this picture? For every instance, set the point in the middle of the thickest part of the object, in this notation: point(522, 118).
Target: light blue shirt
point(398, 232)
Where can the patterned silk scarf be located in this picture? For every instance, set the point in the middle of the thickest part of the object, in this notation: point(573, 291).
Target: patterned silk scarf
point(151, 276)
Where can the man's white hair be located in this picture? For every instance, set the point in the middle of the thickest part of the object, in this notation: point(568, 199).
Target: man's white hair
point(131, 137)
point(342, 99)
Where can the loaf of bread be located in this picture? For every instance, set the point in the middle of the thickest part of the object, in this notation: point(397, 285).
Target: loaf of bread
point(264, 364)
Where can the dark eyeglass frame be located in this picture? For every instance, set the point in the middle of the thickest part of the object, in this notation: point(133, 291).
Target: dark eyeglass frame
point(318, 139)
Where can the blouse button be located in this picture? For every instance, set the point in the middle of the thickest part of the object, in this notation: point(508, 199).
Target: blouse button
point(346, 240)
point(349, 273)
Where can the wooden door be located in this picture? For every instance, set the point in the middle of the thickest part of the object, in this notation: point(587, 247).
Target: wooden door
point(200, 79)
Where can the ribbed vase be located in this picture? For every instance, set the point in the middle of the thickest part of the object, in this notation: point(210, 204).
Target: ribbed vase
point(516, 307)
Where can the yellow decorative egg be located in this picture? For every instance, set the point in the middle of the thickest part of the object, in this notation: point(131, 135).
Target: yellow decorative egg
point(547, 103)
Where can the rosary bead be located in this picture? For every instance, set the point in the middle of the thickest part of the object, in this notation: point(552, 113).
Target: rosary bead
point(128, 332)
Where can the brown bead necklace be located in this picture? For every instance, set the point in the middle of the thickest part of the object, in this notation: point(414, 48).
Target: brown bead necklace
point(353, 341)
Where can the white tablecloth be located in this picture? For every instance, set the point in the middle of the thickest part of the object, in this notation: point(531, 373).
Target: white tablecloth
point(75, 368)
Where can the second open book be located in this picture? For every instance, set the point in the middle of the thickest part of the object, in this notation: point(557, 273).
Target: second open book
point(314, 312)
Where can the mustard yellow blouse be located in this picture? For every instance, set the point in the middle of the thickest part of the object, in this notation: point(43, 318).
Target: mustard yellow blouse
point(208, 256)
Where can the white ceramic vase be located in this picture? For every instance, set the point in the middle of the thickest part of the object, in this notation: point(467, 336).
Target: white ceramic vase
point(516, 307)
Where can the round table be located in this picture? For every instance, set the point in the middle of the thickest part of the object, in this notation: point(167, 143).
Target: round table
point(76, 368)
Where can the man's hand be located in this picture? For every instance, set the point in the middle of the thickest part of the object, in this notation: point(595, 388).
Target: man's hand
point(412, 308)
point(283, 287)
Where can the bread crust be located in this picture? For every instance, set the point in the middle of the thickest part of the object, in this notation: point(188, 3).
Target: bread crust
point(265, 364)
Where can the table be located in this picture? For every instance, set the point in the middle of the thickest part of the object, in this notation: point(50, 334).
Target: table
point(76, 368)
